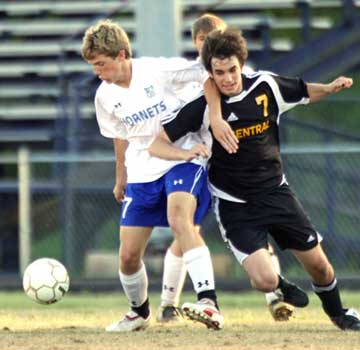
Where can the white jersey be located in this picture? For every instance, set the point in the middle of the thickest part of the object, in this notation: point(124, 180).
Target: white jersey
point(134, 114)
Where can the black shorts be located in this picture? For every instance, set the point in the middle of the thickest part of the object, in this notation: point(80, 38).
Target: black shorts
point(245, 226)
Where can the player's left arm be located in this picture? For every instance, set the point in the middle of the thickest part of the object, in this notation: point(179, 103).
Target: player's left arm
point(318, 91)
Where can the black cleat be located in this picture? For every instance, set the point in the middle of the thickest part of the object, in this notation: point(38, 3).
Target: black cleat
point(349, 321)
point(169, 313)
point(292, 294)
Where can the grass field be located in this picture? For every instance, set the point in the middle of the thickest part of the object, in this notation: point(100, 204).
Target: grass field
point(78, 321)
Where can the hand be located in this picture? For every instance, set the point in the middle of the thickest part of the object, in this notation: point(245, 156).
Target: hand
point(197, 151)
point(339, 84)
point(119, 192)
point(225, 135)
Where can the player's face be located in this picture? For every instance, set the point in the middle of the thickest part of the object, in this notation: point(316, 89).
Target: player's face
point(199, 41)
point(227, 75)
point(108, 69)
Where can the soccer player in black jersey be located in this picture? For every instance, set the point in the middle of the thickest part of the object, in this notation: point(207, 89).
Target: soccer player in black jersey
point(252, 198)
point(174, 272)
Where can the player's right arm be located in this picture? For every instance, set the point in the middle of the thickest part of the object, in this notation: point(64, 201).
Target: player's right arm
point(221, 129)
point(162, 147)
point(111, 127)
point(189, 118)
point(120, 147)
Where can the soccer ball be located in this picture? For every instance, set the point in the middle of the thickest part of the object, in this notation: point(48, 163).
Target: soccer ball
point(46, 281)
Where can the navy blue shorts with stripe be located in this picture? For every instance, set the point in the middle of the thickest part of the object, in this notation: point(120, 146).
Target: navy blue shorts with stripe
point(145, 204)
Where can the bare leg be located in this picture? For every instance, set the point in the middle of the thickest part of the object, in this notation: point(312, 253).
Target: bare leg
point(279, 310)
point(133, 277)
point(196, 256)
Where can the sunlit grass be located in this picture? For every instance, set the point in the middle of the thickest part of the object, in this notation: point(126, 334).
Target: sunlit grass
point(78, 321)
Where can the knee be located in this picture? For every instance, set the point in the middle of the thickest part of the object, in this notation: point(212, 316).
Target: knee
point(323, 272)
point(265, 281)
point(177, 222)
point(129, 261)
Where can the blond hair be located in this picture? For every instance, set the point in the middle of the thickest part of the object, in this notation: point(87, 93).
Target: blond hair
point(105, 38)
point(207, 23)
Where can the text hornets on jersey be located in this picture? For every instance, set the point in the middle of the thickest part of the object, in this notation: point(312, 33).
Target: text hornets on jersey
point(144, 114)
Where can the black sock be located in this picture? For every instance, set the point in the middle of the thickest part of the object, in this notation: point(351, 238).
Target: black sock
point(330, 298)
point(143, 310)
point(209, 294)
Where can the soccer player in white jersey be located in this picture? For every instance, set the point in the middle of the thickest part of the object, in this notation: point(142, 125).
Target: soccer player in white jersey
point(252, 197)
point(129, 103)
point(174, 268)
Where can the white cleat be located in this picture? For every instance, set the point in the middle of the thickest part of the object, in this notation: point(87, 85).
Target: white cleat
point(204, 311)
point(130, 323)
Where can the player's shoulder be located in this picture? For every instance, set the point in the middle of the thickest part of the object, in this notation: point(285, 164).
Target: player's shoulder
point(169, 64)
point(258, 74)
point(252, 79)
point(160, 62)
point(196, 105)
point(109, 96)
point(105, 90)
point(161, 59)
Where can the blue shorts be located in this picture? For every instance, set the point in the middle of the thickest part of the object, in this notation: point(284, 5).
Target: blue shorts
point(145, 204)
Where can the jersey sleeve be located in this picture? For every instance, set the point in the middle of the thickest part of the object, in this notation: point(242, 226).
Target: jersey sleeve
point(109, 125)
point(178, 71)
point(292, 92)
point(188, 119)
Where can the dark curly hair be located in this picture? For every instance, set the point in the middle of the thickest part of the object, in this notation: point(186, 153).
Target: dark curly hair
point(224, 44)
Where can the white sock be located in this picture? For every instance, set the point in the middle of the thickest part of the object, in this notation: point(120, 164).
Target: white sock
point(199, 265)
point(135, 286)
point(173, 279)
point(271, 296)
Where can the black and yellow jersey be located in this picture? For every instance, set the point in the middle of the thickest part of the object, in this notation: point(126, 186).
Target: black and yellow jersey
point(254, 115)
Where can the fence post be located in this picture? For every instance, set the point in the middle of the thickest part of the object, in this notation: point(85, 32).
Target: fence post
point(349, 12)
point(25, 228)
point(158, 27)
point(304, 6)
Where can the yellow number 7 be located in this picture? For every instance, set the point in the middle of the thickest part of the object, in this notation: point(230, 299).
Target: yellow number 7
point(263, 99)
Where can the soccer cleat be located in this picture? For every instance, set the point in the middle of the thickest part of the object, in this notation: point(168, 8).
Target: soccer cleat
point(130, 323)
point(280, 310)
point(291, 294)
point(169, 313)
point(204, 311)
point(349, 321)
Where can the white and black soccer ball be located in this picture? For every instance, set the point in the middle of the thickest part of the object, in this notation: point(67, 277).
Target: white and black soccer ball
point(46, 281)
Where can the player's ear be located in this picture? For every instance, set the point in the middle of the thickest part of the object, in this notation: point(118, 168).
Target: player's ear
point(122, 55)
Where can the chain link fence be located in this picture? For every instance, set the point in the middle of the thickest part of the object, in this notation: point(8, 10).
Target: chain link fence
point(65, 209)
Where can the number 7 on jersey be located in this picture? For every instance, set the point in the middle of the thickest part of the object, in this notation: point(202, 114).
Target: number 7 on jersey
point(263, 100)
